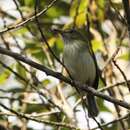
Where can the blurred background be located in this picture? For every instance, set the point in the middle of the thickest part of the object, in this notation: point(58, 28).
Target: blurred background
point(36, 95)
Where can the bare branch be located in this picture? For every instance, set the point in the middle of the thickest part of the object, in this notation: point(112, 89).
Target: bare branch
point(22, 23)
point(112, 86)
point(63, 78)
point(22, 115)
point(114, 121)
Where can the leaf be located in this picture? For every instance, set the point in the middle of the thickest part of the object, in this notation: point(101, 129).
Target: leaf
point(20, 31)
point(125, 56)
point(26, 3)
point(73, 8)
point(4, 76)
point(100, 9)
point(35, 108)
point(81, 19)
point(29, 2)
point(97, 45)
point(31, 45)
point(81, 15)
point(101, 105)
point(21, 71)
point(58, 46)
point(51, 41)
point(54, 12)
point(35, 49)
point(46, 82)
point(39, 55)
point(83, 5)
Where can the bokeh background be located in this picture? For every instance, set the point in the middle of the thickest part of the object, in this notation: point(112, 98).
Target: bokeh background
point(54, 104)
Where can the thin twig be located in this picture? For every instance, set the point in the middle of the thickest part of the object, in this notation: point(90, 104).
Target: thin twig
point(44, 38)
point(113, 85)
point(123, 74)
point(21, 24)
point(22, 115)
point(114, 121)
point(116, 51)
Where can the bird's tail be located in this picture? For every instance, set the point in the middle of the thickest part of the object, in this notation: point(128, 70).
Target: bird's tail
point(92, 106)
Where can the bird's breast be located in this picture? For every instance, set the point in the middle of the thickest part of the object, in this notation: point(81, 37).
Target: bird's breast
point(80, 64)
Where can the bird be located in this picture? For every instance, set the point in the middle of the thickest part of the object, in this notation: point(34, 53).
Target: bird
point(81, 63)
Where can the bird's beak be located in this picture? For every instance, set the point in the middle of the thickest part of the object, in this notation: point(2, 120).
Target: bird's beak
point(58, 31)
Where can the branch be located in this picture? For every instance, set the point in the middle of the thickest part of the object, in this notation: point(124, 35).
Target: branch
point(123, 74)
point(63, 78)
point(116, 51)
point(38, 120)
point(126, 4)
point(11, 70)
point(113, 85)
point(13, 27)
point(114, 121)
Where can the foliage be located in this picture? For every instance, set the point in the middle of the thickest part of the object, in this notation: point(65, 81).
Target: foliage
point(27, 90)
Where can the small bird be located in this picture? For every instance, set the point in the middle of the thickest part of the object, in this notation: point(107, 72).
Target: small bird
point(81, 63)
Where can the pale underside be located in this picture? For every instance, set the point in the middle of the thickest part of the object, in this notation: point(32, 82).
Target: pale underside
point(79, 63)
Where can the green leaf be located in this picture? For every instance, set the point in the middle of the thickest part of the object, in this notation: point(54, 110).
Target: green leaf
point(56, 12)
point(73, 8)
point(35, 49)
point(97, 45)
point(125, 56)
point(35, 108)
point(101, 105)
point(83, 5)
point(81, 15)
point(21, 71)
point(81, 19)
point(4, 76)
point(26, 2)
point(59, 45)
point(20, 31)
point(39, 55)
point(29, 2)
point(46, 82)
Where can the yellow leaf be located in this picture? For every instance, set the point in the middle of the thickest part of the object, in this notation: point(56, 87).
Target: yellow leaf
point(97, 45)
point(51, 41)
point(80, 19)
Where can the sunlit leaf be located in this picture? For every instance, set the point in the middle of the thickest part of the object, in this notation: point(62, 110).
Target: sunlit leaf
point(73, 8)
point(83, 5)
point(51, 41)
point(56, 12)
point(81, 19)
point(80, 13)
point(59, 44)
point(97, 45)
point(4, 76)
point(45, 82)
point(125, 56)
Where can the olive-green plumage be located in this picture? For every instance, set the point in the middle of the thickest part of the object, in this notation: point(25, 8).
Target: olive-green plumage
point(81, 64)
